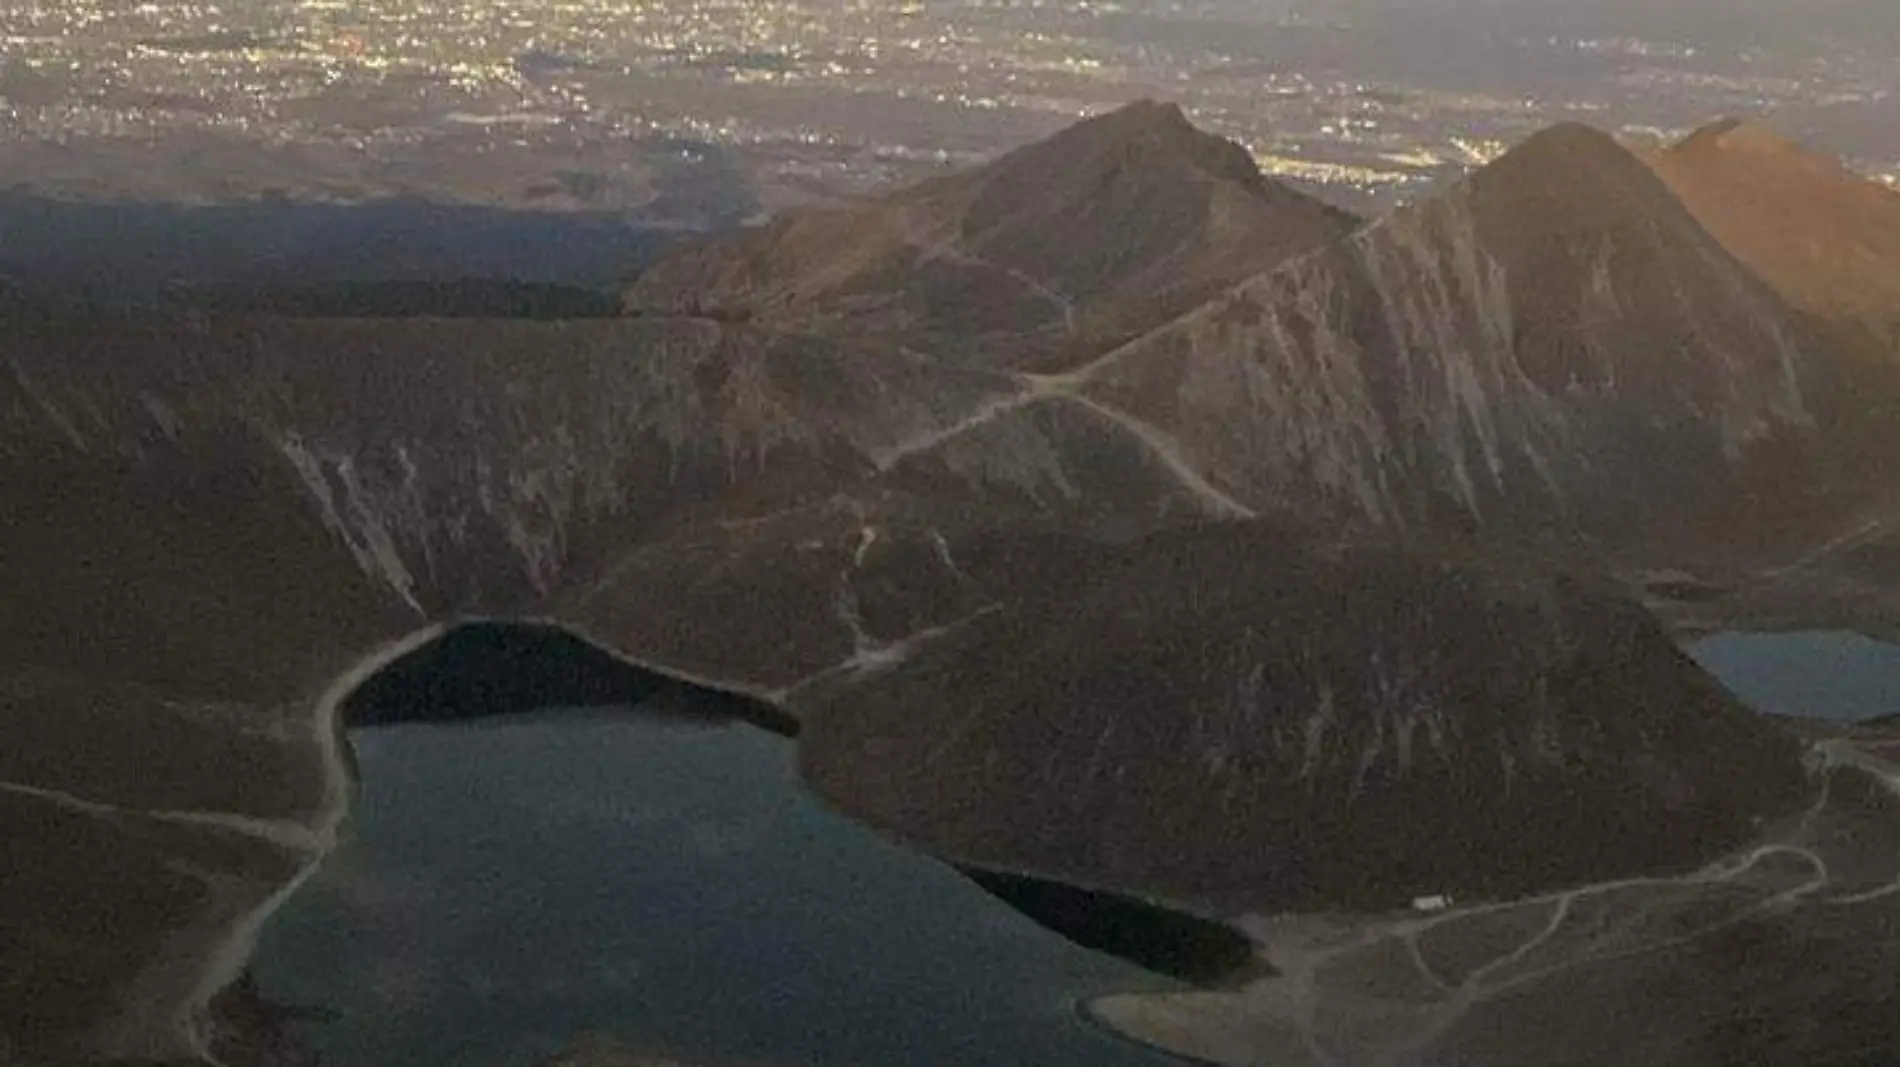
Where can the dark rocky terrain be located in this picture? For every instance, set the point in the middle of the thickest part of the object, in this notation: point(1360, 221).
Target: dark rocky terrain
point(599, 1052)
point(1237, 579)
point(1479, 731)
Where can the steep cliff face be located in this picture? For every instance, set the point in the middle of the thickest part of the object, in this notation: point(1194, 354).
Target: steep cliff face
point(462, 467)
point(1556, 341)
point(1359, 728)
point(1052, 252)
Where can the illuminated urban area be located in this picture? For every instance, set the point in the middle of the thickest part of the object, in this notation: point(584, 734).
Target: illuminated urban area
point(583, 103)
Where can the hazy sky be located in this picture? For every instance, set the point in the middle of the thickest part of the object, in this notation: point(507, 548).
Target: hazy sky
point(1766, 22)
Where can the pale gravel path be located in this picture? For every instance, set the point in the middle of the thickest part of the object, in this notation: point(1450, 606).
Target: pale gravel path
point(1217, 1026)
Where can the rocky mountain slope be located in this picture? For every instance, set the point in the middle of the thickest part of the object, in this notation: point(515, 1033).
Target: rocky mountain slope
point(1555, 348)
point(1360, 727)
point(1827, 239)
point(1552, 347)
point(462, 466)
point(1050, 253)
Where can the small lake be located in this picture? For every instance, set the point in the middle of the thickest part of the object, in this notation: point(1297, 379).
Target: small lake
point(1841, 677)
point(512, 885)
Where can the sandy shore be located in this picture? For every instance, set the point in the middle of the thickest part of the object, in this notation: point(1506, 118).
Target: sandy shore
point(1098, 1014)
point(165, 1011)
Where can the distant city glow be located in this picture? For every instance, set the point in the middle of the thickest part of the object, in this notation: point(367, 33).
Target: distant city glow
point(884, 92)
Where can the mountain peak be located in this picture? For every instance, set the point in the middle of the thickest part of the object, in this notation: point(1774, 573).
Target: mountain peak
point(1569, 143)
point(1157, 135)
point(1146, 115)
point(1570, 176)
point(1827, 239)
point(1054, 251)
point(1738, 135)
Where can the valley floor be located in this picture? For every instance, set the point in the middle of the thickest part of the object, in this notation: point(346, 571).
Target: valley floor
point(1646, 970)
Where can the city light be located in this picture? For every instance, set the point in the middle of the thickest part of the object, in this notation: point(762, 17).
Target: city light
point(885, 91)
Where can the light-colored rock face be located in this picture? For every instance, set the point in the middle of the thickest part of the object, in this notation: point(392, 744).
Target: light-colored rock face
point(1487, 355)
point(1554, 347)
point(419, 446)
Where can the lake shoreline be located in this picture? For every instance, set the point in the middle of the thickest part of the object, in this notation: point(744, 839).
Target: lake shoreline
point(701, 906)
point(173, 1007)
point(1840, 677)
point(216, 956)
point(1084, 1009)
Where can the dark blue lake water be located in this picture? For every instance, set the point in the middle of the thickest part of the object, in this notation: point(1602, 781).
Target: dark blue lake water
point(1820, 675)
point(512, 885)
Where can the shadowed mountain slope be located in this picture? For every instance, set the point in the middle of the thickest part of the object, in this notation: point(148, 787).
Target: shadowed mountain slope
point(437, 467)
point(1361, 728)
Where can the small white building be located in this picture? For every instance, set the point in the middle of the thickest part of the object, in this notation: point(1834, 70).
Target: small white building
point(1438, 902)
